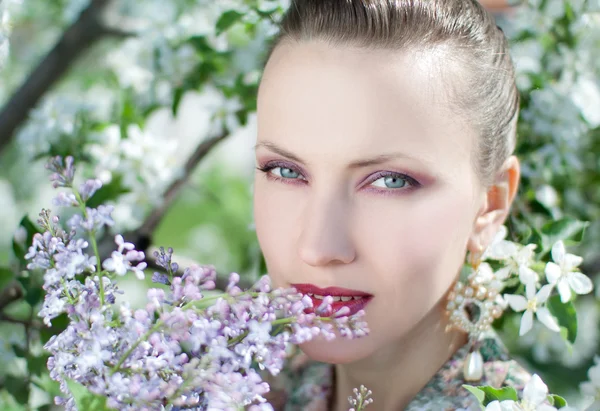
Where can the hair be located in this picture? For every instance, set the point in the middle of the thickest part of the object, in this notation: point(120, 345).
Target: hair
point(462, 30)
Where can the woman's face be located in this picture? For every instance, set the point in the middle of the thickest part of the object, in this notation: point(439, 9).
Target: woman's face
point(367, 183)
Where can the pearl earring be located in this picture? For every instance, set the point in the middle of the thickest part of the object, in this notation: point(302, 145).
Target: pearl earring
point(472, 308)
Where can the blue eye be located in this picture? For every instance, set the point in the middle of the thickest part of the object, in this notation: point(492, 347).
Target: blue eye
point(285, 172)
point(391, 181)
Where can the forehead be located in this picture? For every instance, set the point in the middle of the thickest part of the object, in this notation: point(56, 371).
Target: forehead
point(321, 99)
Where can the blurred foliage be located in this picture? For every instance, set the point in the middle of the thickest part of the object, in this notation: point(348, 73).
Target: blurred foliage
point(110, 113)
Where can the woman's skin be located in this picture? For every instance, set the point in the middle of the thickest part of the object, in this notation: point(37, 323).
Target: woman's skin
point(333, 122)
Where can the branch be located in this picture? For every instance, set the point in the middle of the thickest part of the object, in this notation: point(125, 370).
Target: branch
point(156, 215)
point(82, 34)
point(10, 294)
point(142, 236)
point(114, 32)
point(9, 319)
point(33, 323)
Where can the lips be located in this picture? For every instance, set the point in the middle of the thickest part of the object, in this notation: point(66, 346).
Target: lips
point(342, 297)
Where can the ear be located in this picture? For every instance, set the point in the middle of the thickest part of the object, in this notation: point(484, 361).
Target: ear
point(495, 206)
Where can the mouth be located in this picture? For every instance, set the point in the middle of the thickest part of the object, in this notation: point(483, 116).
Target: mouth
point(342, 297)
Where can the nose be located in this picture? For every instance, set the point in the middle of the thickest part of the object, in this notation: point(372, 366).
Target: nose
point(325, 238)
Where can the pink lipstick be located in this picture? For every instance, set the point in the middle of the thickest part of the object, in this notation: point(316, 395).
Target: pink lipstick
point(342, 297)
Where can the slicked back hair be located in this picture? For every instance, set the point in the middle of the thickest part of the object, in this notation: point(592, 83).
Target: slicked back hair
point(485, 94)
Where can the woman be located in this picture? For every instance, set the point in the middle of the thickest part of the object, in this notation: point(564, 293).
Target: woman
point(385, 134)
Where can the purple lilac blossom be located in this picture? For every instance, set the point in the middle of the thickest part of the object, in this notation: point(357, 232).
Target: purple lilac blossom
point(62, 172)
point(89, 188)
point(188, 348)
point(120, 263)
point(94, 220)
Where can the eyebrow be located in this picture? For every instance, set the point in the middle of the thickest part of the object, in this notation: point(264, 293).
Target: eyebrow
point(379, 159)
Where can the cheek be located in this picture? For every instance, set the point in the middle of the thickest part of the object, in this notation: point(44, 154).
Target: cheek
point(419, 229)
point(416, 248)
point(276, 223)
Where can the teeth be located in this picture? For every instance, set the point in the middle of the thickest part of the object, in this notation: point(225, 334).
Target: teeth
point(335, 298)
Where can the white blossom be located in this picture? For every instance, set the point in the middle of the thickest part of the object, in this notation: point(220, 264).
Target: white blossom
point(533, 304)
point(506, 405)
point(517, 260)
point(547, 346)
point(561, 274)
point(592, 386)
point(535, 396)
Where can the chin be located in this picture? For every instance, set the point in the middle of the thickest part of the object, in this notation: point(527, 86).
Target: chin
point(338, 351)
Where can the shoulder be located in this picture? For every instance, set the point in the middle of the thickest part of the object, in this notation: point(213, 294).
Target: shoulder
point(303, 384)
point(445, 390)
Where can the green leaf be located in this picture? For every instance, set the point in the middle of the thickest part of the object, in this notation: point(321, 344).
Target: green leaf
point(129, 114)
point(502, 394)
point(486, 394)
point(46, 384)
point(557, 401)
point(18, 388)
point(6, 277)
point(561, 230)
point(59, 324)
point(177, 96)
point(566, 315)
point(86, 400)
point(536, 238)
point(265, 13)
point(201, 44)
point(19, 352)
point(21, 249)
point(227, 19)
point(32, 286)
point(9, 403)
point(37, 365)
point(476, 391)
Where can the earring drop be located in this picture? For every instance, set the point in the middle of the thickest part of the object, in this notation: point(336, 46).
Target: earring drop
point(472, 308)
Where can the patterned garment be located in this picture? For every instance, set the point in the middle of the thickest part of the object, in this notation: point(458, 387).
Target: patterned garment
point(306, 385)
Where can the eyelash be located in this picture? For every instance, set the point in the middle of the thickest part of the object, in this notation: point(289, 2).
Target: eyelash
point(412, 183)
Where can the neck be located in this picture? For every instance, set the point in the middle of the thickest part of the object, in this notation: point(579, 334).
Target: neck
point(396, 374)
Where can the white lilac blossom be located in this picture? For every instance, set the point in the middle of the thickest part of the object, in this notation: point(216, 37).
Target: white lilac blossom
point(54, 119)
point(156, 55)
point(147, 163)
point(562, 273)
point(184, 349)
point(591, 388)
point(533, 304)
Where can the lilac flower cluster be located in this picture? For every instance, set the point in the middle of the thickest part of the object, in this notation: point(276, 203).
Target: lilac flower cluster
point(190, 347)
